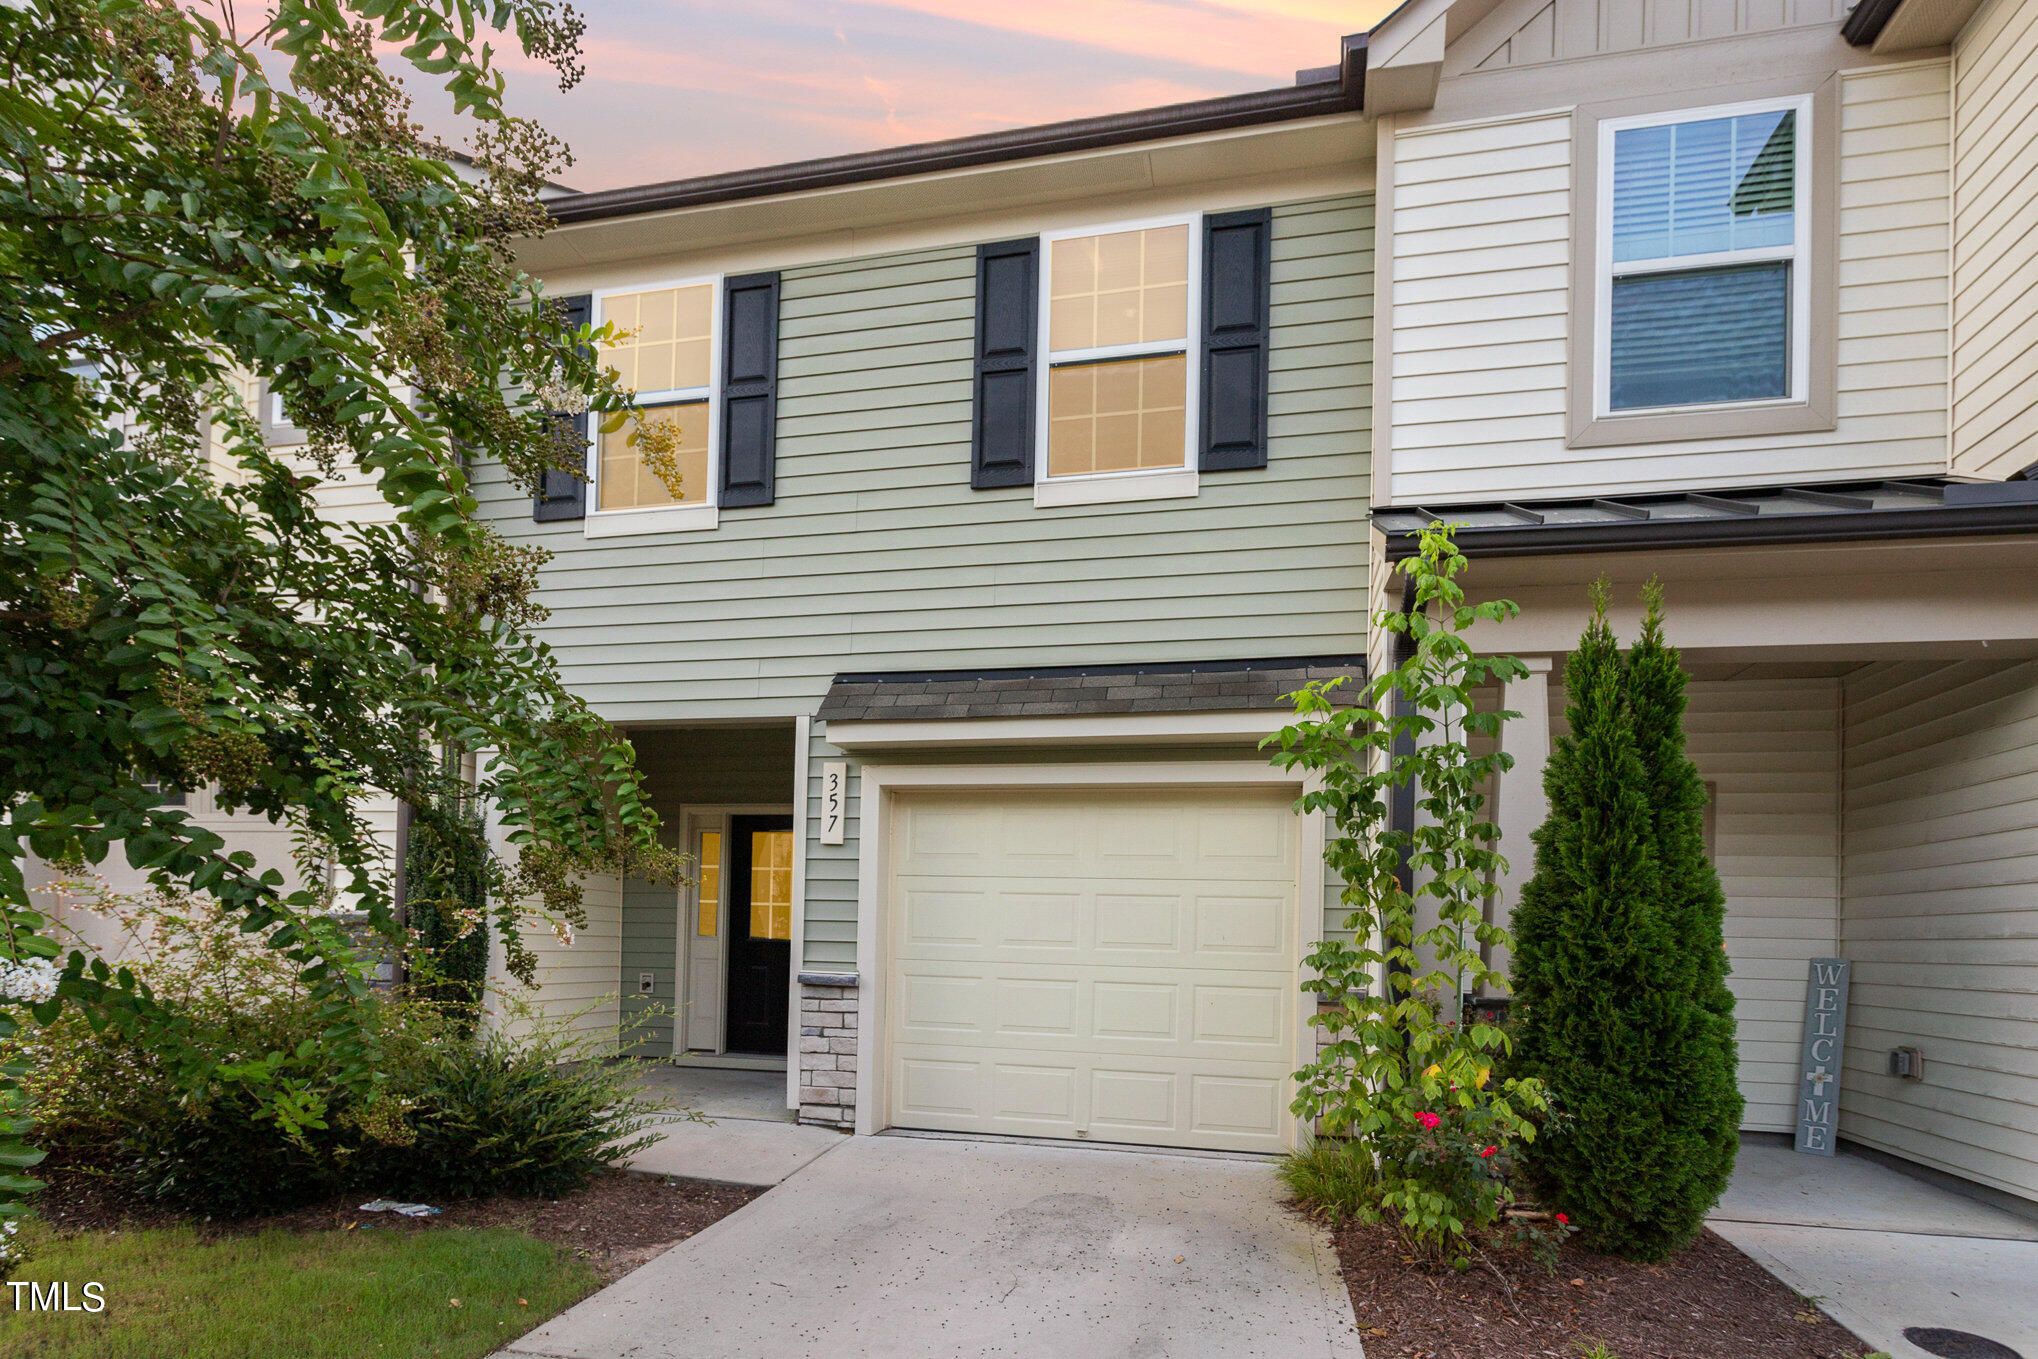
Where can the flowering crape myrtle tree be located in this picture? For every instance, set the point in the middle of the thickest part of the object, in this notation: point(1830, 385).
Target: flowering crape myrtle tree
point(195, 195)
point(1408, 1072)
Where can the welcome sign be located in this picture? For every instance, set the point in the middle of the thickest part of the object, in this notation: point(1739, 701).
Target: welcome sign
point(1825, 1032)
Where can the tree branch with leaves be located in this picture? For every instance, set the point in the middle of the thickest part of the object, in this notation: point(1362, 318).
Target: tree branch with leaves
point(191, 205)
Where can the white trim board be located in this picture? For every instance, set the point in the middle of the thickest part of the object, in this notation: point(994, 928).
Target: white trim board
point(803, 727)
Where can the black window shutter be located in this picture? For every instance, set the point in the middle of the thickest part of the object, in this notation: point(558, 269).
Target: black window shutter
point(561, 495)
point(749, 390)
point(1237, 263)
point(1001, 440)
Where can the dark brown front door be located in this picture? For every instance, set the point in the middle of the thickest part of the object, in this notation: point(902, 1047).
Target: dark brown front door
point(760, 895)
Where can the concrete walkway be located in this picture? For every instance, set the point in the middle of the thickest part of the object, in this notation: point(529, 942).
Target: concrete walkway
point(904, 1246)
point(1883, 1251)
point(749, 1136)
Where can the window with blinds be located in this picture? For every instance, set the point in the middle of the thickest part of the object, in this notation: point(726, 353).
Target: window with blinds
point(663, 350)
point(1702, 292)
point(1117, 313)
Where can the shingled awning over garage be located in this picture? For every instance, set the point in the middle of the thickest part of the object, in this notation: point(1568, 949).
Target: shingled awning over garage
point(1077, 691)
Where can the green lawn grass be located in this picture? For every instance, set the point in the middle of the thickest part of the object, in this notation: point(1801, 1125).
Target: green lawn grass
point(310, 1295)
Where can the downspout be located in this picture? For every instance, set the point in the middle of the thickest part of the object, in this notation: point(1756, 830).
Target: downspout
point(1401, 799)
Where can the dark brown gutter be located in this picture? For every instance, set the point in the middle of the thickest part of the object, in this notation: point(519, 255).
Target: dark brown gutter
point(1865, 22)
point(1338, 89)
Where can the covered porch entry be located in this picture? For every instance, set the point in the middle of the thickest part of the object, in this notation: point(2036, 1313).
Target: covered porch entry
point(706, 970)
point(1864, 712)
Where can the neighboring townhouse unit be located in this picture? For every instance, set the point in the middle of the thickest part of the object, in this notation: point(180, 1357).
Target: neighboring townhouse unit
point(346, 495)
point(1741, 296)
point(1021, 476)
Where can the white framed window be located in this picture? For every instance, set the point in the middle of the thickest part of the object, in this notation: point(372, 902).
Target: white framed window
point(1702, 295)
point(669, 355)
point(1119, 308)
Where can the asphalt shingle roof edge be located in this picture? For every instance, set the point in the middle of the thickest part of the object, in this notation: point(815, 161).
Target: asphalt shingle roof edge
point(1075, 691)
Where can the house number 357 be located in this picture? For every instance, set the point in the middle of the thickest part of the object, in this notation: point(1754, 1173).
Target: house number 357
point(834, 801)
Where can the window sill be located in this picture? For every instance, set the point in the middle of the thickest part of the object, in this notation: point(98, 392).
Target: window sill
point(1726, 422)
point(1177, 483)
point(667, 519)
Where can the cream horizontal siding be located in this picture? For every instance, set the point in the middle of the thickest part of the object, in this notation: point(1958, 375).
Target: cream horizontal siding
point(1482, 285)
point(1995, 251)
point(1770, 748)
point(576, 979)
point(1941, 915)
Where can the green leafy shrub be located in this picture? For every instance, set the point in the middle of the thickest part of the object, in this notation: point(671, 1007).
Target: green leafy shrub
point(536, 1115)
point(232, 1112)
point(263, 1124)
point(1409, 1070)
point(1620, 965)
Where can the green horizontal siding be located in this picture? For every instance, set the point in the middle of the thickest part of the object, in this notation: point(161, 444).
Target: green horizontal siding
point(879, 556)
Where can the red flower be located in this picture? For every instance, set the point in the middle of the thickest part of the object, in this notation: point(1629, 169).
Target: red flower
point(1488, 1152)
point(1563, 1221)
point(1427, 1119)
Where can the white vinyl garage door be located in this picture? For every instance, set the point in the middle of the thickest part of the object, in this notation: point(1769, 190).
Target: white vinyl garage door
point(1118, 966)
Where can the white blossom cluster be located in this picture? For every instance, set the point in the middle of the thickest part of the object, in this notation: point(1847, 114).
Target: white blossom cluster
point(29, 979)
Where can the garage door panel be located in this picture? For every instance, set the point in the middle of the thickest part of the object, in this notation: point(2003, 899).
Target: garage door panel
point(1233, 1106)
point(1183, 1020)
point(1141, 987)
point(1241, 1106)
point(1036, 1007)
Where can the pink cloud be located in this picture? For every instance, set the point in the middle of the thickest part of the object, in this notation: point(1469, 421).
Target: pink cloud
point(684, 87)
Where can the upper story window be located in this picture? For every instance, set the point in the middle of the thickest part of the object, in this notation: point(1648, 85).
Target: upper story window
point(1121, 369)
point(666, 354)
point(1703, 289)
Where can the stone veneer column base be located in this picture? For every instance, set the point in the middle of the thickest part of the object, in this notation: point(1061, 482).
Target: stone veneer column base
point(828, 1049)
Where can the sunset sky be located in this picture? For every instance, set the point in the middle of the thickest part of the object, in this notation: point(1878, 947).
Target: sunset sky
point(686, 87)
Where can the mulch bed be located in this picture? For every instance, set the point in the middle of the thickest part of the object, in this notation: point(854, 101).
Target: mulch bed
point(1711, 1302)
point(620, 1221)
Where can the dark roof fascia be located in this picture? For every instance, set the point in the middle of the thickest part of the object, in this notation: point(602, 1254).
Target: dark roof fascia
point(1641, 535)
point(1865, 22)
point(1312, 100)
point(1077, 671)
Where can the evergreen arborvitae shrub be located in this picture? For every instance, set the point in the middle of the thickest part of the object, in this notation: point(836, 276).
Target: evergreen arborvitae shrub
point(1602, 987)
point(1703, 1131)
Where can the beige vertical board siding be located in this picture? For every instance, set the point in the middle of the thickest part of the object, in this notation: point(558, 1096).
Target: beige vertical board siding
point(1995, 250)
point(576, 980)
point(1771, 748)
point(1527, 32)
point(1481, 225)
point(878, 555)
point(1941, 915)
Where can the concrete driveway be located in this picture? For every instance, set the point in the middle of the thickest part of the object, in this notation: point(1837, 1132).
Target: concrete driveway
point(906, 1246)
point(1883, 1251)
